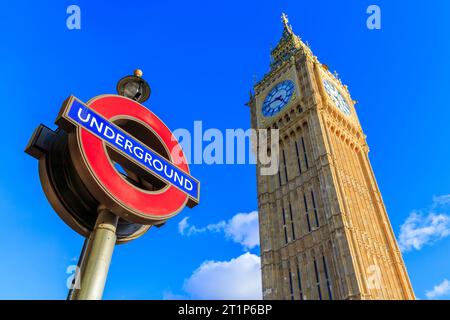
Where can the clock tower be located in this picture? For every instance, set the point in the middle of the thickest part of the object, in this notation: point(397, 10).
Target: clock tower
point(324, 230)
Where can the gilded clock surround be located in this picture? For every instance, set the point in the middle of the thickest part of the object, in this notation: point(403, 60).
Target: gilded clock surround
point(324, 229)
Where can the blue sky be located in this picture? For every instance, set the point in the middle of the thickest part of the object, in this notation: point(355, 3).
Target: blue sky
point(200, 59)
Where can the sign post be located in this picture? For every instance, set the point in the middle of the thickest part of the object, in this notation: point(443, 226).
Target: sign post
point(110, 172)
point(97, 257)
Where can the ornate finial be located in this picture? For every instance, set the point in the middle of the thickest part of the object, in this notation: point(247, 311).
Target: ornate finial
point(285, 19)
point(138, 73)
point(288, 46)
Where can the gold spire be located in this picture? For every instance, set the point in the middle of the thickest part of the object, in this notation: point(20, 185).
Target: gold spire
point(286, 49)
point(288, 45)
point(285, 20)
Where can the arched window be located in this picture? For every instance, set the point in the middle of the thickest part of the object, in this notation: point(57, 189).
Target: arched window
point(299, 280)
point(327, 277)
point(316, 271)
point(316, 216)
point(307, 213)
point(284, 226)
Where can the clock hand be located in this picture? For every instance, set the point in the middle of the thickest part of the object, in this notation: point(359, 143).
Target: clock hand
point(279, 98)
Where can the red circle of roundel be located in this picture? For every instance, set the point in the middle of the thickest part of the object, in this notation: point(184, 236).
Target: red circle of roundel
point(159, 205)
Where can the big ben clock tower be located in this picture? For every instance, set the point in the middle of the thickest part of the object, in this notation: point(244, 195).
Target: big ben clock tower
point(324, 230)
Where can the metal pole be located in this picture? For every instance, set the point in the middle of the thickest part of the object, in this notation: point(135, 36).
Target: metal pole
point(73, 289)
point(97, 257)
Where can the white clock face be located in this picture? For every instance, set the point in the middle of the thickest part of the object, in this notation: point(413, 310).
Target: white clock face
point(336, 96)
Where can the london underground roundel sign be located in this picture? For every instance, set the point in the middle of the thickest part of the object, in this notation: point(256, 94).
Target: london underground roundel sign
point(125, 156)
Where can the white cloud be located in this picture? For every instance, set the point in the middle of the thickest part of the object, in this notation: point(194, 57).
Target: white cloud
point(213, 227)
point(419, 230)
point(186, 229)
point(242, 229)
point(169, 295)
point(442, 289)
point(441, 200)
point(182, 225)
point(239, 278)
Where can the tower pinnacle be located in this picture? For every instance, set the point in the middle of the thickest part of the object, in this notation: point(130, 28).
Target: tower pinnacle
point(285, 20)
point(288, 45)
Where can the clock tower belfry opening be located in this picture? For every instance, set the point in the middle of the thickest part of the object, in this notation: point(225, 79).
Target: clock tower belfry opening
point(324, 229)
